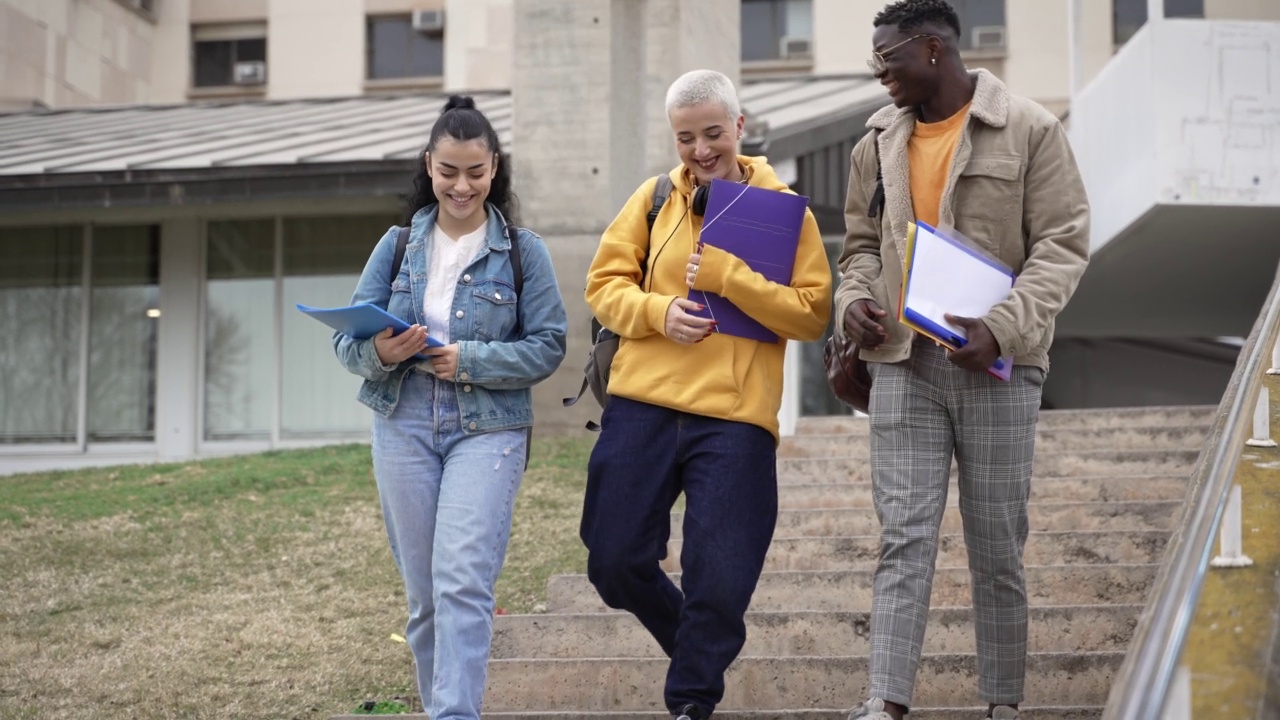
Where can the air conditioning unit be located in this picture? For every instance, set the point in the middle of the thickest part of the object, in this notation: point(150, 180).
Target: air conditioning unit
point(428, 21)
point(988, 37)
point(791, 48)
point(249, 73)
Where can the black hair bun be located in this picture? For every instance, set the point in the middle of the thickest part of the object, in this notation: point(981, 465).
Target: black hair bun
point(460, 101)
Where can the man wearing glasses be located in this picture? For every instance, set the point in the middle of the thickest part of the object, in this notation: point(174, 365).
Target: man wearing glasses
point(957, 150)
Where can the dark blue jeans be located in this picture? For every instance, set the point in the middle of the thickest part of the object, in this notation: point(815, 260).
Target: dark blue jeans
point(645, 457)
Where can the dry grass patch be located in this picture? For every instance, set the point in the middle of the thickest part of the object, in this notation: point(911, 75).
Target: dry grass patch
point(251, 587)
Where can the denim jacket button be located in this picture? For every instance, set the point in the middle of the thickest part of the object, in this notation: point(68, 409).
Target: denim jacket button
point(471, 425)
point(459, 314)
point(463, 376)
point(466, 388)
point(466, 278)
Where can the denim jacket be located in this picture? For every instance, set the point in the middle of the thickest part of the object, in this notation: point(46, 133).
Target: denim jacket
point(496, 366)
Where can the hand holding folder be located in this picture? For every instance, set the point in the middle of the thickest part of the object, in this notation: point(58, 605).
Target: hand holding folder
point(762, 228)
point(946, 275)
point(363, 321)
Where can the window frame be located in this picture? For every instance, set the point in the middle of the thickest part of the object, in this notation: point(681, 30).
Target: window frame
point(775, 61)
point(235, 34)
point(967, 48)
point(408, 77)
point(84, 438)
point(1139, 7)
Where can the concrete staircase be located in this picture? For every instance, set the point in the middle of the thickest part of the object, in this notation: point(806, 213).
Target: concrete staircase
point(1107, 487)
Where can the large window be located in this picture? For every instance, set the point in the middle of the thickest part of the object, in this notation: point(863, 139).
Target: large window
point(240, 308)
point(42, 306)
point(270, 371)
point(123, 318)
point(322, 261)
point(777, 30)
point(229, 55)
point(1129, 15)
point(62, 341)
point(396, 49)
point(982, 25)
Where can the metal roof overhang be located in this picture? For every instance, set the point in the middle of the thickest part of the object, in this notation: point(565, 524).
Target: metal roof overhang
point(363, 147)
point(203, 186)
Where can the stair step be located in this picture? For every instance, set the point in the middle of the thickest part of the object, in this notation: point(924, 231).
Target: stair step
point(1084, 516)
point(850, 590)
point(1107, 486)
point(1066, 439)
point(1092, 419)
point(967, 713)
point(1080, 628)
point(1083, 489)
point(1043, 548)
point(753, 683)
point(1075, 463)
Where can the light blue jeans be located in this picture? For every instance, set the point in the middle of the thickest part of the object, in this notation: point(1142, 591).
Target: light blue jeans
point(447, 499)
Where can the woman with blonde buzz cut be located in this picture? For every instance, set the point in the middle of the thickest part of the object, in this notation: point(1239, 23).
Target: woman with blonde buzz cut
point(692, 410)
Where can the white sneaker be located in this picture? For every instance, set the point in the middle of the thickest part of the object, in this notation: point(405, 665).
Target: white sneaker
point(872, 709)
point(1004, 712)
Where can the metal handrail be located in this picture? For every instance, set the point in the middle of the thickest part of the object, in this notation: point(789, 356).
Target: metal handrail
point(1141, 687)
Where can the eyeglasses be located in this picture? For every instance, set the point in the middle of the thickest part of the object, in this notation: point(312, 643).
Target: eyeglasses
point(879, 61)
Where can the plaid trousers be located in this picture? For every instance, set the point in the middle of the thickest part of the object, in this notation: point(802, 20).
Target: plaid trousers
point(923, 410)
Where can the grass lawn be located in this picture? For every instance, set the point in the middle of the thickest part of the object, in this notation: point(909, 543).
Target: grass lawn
point(248, 587)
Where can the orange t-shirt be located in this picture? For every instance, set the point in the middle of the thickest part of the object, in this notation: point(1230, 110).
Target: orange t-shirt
point(929, 153)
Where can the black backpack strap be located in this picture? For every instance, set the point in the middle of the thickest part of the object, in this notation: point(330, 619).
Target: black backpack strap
point(517, 271)
point(517, 279)
point(877, 197)
point(402, 242)
point(661, 191)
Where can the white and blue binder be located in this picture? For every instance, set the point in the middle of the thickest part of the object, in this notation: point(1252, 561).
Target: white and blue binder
point(945, 274)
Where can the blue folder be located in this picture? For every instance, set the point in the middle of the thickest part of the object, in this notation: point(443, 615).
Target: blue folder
point(762, 228)
point(362, 321)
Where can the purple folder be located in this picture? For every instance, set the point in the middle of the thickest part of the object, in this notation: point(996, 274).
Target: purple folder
point(761, 227)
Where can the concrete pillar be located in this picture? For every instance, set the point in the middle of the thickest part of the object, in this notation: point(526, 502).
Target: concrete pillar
point(178, 360)
point(588, 87)
point(684, 36)
point(607, 65)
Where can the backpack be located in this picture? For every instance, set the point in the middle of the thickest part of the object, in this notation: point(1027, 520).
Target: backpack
point(604, 343)
point(517, 279)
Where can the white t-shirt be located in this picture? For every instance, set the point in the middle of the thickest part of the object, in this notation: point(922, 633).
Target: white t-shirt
point(449, 258)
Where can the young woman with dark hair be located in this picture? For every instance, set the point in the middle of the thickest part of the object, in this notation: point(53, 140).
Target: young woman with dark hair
point(450, 431)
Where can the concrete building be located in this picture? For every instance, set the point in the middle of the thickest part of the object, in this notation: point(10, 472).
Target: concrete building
point(73, 53)
point(240, 156)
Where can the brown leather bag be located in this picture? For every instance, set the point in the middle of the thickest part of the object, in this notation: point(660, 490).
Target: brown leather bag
point(847, 373)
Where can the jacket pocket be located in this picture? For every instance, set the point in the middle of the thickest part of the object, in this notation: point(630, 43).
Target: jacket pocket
point(493, 309)
point(400, 304)
point(988, 205)
point(990, 189)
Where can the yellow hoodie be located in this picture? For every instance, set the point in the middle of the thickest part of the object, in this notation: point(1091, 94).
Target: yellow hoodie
point(724, 376)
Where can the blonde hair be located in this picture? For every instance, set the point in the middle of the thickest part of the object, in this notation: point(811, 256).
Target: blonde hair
point(702, 86)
